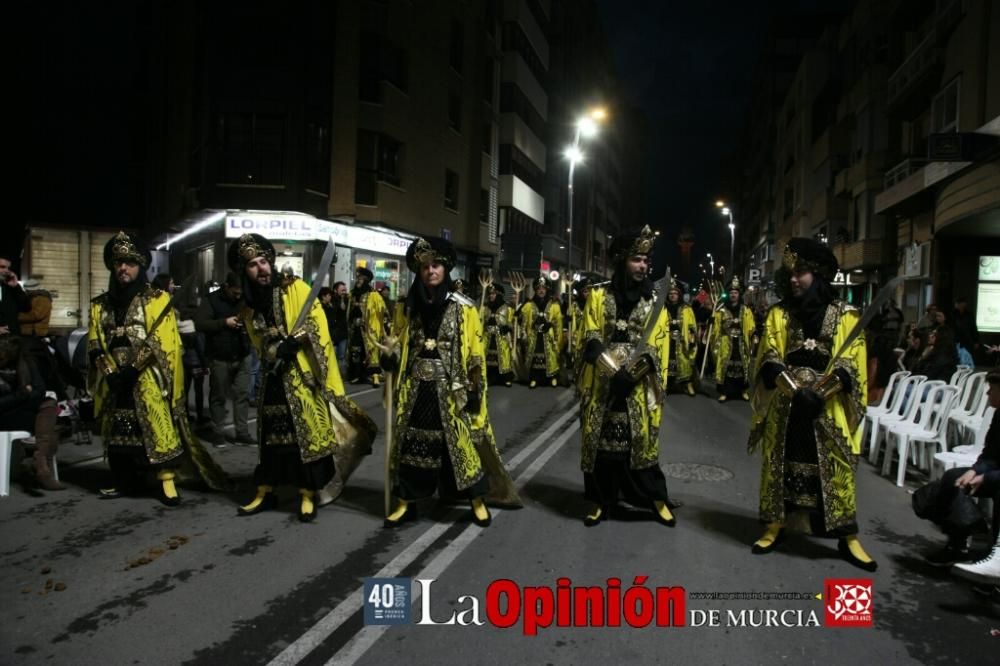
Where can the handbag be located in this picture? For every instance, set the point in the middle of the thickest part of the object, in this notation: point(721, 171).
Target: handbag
point(961, 515)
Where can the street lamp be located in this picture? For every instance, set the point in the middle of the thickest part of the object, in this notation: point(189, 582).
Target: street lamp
point(732, 228)
point(586, 127)
point(711, 263)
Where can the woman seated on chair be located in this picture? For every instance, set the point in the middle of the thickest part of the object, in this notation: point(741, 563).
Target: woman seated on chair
point(24, 405)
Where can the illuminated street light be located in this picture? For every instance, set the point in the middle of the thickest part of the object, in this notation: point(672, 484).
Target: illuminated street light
point(732, 228)
point(586, 127)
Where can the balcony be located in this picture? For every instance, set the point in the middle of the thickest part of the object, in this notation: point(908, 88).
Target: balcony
point(913, 83)
point(867, 253)
point(840, 187)
point(903, 170)
point(827, 208)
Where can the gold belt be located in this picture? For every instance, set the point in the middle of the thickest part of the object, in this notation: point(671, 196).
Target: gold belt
point(427, 369)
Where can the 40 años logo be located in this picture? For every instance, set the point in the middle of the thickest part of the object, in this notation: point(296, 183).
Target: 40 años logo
point(508, 604)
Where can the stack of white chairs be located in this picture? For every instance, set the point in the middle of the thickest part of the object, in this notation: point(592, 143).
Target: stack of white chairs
point(971, 406)
point(965, 455)
point(7, 438)
point(883, 406)
point(926, 423)
point(896, 411)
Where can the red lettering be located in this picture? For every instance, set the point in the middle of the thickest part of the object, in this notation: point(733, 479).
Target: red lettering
point(538, 609)
point(674, 598)
point(509, 589)
point(614, 602)
point(563, 602)
point(588, 608)
point(638, 605)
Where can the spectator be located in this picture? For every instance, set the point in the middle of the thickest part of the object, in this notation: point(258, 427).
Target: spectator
point(34, 332)
point(334, 301)
point(227, 350)
point(929, 320)
point(982, 480)
point(26, 405)
point(891, 321)
point(939, 358)
point(963, 322)
point(13, 298)
point(914, 349)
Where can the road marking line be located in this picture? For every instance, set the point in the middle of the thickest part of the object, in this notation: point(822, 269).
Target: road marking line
point(360, 643)
point(313, 637)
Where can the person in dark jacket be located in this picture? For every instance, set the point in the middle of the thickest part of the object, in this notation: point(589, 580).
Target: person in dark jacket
point(334, 302)
point(981, 480)
point(939, 358)
point(13, 298)
point(227, 349)
point(25, 405)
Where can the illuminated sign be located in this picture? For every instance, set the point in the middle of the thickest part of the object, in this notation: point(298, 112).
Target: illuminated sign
point(300, 227)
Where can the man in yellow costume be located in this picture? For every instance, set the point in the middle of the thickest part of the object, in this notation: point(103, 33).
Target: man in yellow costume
point(622, 386)
point(732, 331)
point(574, 321)
point(498, 321)
point(137, 379)
point(367, 321)
point(809, 401)
point(442, 437)
point(541, 327)
point(309, 432)
point(683, 341)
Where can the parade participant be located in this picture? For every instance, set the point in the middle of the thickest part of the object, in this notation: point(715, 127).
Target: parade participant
point(622, 386)
point(137, 378)
point(732, 330)
point(310, 433)
point(809, 401)
point(441, 395)
point(367, 318)
point(683, 341)
point(574, 320)
point(541, 326)
point(497, 318)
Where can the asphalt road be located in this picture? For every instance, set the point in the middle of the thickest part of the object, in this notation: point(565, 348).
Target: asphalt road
point(147, 584)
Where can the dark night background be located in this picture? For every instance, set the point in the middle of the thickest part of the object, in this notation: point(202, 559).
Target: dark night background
point(688, 66)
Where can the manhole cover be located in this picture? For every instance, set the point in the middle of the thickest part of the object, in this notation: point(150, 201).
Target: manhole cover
point(696, 472)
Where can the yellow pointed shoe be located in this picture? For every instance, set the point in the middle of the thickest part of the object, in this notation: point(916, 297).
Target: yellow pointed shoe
point(723, 398)
point(532, 384)
point(773, 536)
point(596, 515)
point(745, 395)
point(403, 513)
point(264, 500)
point(168, 491)
point(307, 507)
point(662, 514)
point(690, 389)
point(850, 549)
point(480, 513)
point(555, 382)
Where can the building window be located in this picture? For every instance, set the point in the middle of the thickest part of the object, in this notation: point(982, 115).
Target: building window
point(317, 157)
point(455, 112)
point(513, 100)
point(488, 138)
point(252, 149)
point(457, 46)
point(489, 79)
point(484, 206)
point(450, 189)
point(379, 159)
point(514, 39)
point(380, 60)
point(944, 108)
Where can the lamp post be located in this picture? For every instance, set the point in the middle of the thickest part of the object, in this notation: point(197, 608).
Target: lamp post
point(711, 263)
point(732, 230)
point(586, 127)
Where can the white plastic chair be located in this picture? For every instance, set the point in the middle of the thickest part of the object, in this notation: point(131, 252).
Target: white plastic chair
point(906, 410)
point(971, 406)
point(958, 377)
point(929, 427)
point(898, 388)
point(883, 406)
point(7, 438)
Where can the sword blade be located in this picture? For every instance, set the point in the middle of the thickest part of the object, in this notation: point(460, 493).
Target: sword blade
point(317, 284)
point(654, 315)
point(884, 294)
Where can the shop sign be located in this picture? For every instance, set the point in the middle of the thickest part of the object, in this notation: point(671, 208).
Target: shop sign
point(299, 227)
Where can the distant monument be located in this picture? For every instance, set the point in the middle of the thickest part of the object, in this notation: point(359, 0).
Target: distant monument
point(685, 239)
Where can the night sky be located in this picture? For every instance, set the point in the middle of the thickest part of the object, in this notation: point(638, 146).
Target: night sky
point(689, 66)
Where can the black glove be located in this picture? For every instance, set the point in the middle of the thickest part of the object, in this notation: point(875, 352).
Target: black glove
point(622, 383)
point(288, 348)
point(506, 330)
point(769, 373)
point(592, 350)
point(474, 402)
point(807, 403)
point(388, 362)
point(846, 383)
